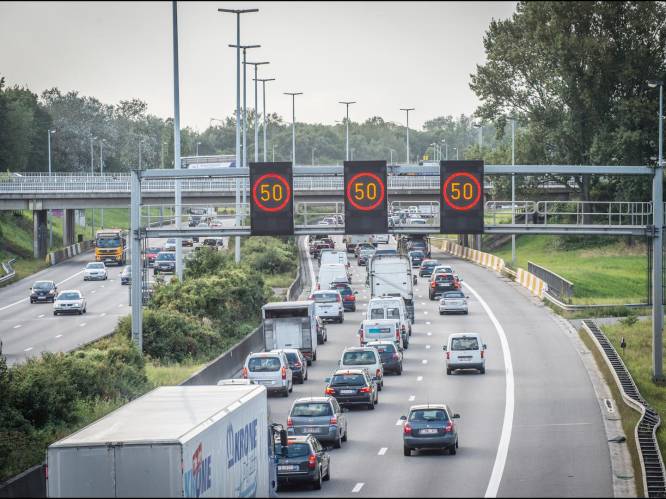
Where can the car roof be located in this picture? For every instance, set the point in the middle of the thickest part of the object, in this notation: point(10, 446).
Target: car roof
point(380, 342)
point(71, 291)
point(287, 350)
point(358, 349)
point(304, 400)
point(428, 406)
point(465, 335)
point(45, 280)
point(272, 353)
point(351, 370)
point(300, 439)
point(321, 291)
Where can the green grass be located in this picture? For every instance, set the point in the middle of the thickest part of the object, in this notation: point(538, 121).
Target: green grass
point(171, 374)
point(279, 280)
point(610, 274)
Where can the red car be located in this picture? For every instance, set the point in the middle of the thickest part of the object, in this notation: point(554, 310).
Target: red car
point(151, 254)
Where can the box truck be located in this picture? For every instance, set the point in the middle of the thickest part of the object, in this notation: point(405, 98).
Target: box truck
point(391, 275)
point(175, 441)
point(351, 241)
point(291, 324)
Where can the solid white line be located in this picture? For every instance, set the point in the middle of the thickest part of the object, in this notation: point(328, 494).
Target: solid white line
point(17, 326)
point(357, 488)
point(412, 398)
point(27, 349)
point(507, 425)
point(382, 451)
point(420, 378)
point(310, 267)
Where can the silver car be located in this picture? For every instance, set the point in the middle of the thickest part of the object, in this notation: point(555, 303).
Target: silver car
point(270, 369)
point(453, 301)
point(320, 417)
point(70, 301)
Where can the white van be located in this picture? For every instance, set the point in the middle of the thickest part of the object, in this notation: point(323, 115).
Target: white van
point(465, 351)
point(333, 256)
point(329, 272)
point(380, 329)
point(391, 307)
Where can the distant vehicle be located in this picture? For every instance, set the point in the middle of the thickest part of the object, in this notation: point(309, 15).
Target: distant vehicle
point(329, 221)
point(165, 262)
point(291, 324)
point(111, 246)
point(352, 387)
point(95, 271)
point(213, 242)
point(380, 330)
point(297, 364)
point(348, 295)
point(390, 354)
point(170, 245)
point(427, 267)
point(365, 255)
point(322, 335)
point(303, 460)
point(363, 246)
point(328, 305)
point(270, 369)
point(363, 357)
point(329, 255)
point(446, 269)
point(392, 276)
point(441, 283)
point(320, 417)
point(382, 238)
point(453, 301)
point(465, 351)
point(391, 307)
point(126, 275)
point(386, 251)
point(151, 254)
point(429, 426)
point(186, 241)
point(417, 257)
point(352, 240)
point(70, 301)
point(416, 221)
point(329, 272)
point(43, 291)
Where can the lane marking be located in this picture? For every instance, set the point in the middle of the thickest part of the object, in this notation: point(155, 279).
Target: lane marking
point(310, 267)
point(507, 424)
point(59, 336)
point(412, 398)
point(102, 314)
point(423, 304)
point(382, 451)
point(398, 422)
point(27, 349)
point(357, 488)
point(82, 324)
point(420, 378)
point(429, 333)
point(120, 305)
point(427, 323)
point(17, 326)
point(40, 316)
point(93, 292)
point(424, 361)
point(425, 312)
point(26, 299)
point(427, 347)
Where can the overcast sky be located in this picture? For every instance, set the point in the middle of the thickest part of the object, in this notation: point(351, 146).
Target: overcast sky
point(384, 55)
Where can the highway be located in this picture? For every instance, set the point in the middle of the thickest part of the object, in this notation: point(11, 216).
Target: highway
point(547, 441)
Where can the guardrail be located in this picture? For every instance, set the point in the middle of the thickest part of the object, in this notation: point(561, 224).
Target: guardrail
point(10, 273)
point(557, 285)
point(652, 464)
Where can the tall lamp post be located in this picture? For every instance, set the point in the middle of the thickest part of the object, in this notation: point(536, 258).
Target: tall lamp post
point(256, 109)
point(101, 171)
point(480, 127)
point(407, 110)
point(245, 47)
point(48, 136)
point(391, 152)
point(263, 87)
point(198, 144)
point(293, 124)
point(657, 245)
point(513, 190)
point(92, 154)
point(238, 152)
point(347, 104)
point(456, 150)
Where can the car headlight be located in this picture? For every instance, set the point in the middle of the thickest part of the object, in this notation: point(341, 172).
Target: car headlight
point(76, 304)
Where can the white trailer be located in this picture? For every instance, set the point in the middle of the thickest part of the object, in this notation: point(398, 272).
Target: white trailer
point(391, 275)
point(291, 324)
point(351, 241)
point(175, 441)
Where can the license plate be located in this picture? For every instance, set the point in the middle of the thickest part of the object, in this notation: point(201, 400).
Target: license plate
point(428, 431)
point(266, 381)
point(311, 430)
point(465, 359)
point(287, 467)
point(347, 392)
point(41, 297)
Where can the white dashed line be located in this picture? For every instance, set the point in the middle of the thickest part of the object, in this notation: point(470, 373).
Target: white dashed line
point(93, 292)
point(425, 312)
point(382, 451)
point(398, 422)
point(59, 336)
point(40, 316)
point(427, 347)
point(424, 361)
point(420, 378)
point(120, 305)
point(423, 304)
point(429, 333)
point(102, 314)
point(412, 398)
point(357, 488)
point(17, 326)
point(83, 324)
point(427, 323)
point(102, 286)
point(27, 349)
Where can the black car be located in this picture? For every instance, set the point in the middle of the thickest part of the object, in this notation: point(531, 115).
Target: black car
point(348, 295)
point(440, 283)
point(43, 291)
point(416, 257)
point(389, 354)
point(165, 262)
point(297, 364)
point(427, 266)
point(353, 387)
point(303, 460)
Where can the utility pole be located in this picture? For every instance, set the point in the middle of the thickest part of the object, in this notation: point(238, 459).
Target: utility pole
point(407, 110)
point(347, 104)
point(238, 152)
point(101, 170)
point(176, 143)
point(513, 191)
point(263, 86)
point(293, 125)
point(48, 136)
point(256, 110)
point(92, 154)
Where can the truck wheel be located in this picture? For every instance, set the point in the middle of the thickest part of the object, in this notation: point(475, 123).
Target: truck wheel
point(314, 356)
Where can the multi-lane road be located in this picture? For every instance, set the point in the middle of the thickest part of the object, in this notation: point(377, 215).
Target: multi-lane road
point(531, 426)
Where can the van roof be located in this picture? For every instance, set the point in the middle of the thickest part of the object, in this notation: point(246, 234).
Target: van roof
point(288, 304)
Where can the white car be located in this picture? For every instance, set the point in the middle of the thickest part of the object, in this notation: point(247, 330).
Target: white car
point(417, 221)
point(328, 305)
point(453, 301)
point(270, 369)
point(465, 351)
point(170, 245)
point(445, 269)
point(95, 271)
point(382, 238)
point(70, 301)
point(364, 358)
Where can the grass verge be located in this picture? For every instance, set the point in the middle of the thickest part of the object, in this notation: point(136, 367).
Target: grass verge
point(170, 374)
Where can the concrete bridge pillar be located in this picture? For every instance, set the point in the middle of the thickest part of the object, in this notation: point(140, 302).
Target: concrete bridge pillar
point(40, 233)
point(68, 228)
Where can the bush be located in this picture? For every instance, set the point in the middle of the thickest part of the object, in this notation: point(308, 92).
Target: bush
point(270, 255)
point(207, 261)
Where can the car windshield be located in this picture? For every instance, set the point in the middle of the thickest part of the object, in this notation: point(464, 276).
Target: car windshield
point(293, 450)
point(127, 270)
point(292, 357)
point(108, 242)
point(69, 296)
point(393, 313)
point(325, 297)
point(458, 344)
point(429, 264)
point(359, 358)
point(264, 364)
point(428, 415)
point(312, 410)
point(95, 266)
point(454, 294)
point(42, 285)
point(384, 347)
point(377, 313)
point(344, 290)
point(167, 256)
point(153, 249)
point(416, 254)
point(348, 380)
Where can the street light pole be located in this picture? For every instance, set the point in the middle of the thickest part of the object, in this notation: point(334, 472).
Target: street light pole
point(391, 151)
point(238, 152)
point(313, 151)
point(176, 147)
point(256, 110)
point(263, 86)
point(198, 144)
point(48, 136)
point(347, 104)
point(293, 124)
point(513, 191)
point(101, 170)
point(480, 127)
point(407, 110)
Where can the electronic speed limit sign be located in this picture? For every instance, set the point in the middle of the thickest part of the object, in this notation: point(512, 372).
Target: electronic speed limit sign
point(271, 199)
point(461, 197)
point(366, 200)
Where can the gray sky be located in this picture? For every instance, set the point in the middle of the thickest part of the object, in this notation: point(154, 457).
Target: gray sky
point(384, 55)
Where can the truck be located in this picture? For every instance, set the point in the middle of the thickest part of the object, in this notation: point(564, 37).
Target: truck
point(111, 246)
point(175, 441)
point(391, 275)
point(351, 241)
point(330, 272)
point(291, 324)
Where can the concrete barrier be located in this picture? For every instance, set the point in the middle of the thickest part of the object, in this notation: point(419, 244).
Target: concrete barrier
point(484, 259)
point(68, 252)
point(528, 280)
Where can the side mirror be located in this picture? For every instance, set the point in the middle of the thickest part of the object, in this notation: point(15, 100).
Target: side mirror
point(484, 346)
point(327, 380)
point(444, 347)
point(403, 418)
point(456, 416)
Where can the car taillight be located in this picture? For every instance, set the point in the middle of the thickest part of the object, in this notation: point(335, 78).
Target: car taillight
point(312, 462)
point(378, 372)
point(351, 298)
point(284, 373)
point(482, 354)
point(395, 356)
point(329, 391)
point(365, 389)
point(449, 427)
point(290, 423)
point(407, 429)
point(245, 373)
point(448, 355)
point(433, 284)
point(333, 420)
point(297, 364)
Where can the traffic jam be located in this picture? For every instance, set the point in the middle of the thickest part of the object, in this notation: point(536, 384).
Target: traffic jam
point(383, 284)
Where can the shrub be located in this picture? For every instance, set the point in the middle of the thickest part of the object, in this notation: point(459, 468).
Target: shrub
point(270, 255)
point(207, 261)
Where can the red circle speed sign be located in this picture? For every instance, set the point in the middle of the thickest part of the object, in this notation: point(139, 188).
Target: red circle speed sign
point(365, 191)
point(462, 191)
point(271, 192)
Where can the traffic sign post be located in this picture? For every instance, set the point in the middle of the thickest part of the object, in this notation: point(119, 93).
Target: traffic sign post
point(271, 199)
point(366, 202)
point(461, 201)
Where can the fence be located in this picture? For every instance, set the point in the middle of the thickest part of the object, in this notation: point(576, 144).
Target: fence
point(557, 285)
point(10, 273)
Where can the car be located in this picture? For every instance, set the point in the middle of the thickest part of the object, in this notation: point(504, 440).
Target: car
point(323, 222)
point(390, 354)
point(381, 329)
point(151, 253)
point(446, 269)
point(186, 242)
point(193, 221)
point(386, 251)
point(427, 267)
point(304, 460)
point(216, 223)
point(297, 364)
point(416, 257)
point(95, 271)
point(69, 301)
point(329, 241)
point(365, 255)
point(270, 369)
point(453, 301)
point(319, 245)
point(361, 246)
point(322, 335)
point(43, 291)
point(126, 275)
point(352, 387)
point(165, 262)
point(363, 357)
point(321, 417)
point(170, 245)
point(328, 305)
point(441, 283)
point(329, 221)
point(429, 426)
point(382, 238)
point(391, 307)
point(416, 221)
point(200, 225)
point(347, 293)
point(465, 351)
